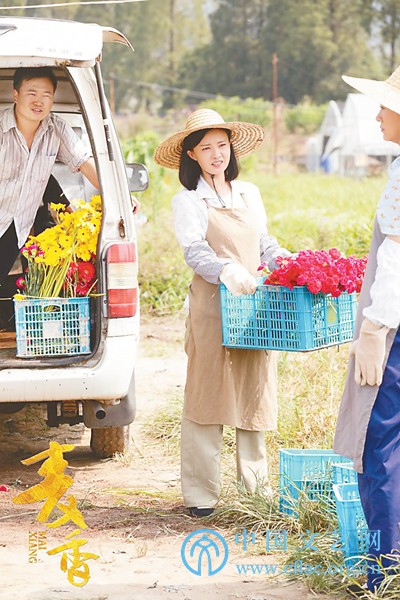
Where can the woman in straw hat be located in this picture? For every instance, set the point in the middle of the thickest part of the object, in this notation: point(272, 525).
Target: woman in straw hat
point(220, 223)
point(368, 428)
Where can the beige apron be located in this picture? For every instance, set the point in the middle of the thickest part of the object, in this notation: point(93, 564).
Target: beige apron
point(357, 401)
point(227, 386)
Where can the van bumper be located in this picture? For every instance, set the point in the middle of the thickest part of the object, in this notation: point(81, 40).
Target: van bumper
point(107, 380)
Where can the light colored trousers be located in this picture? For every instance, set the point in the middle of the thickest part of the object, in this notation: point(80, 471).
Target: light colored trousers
point(201, 460)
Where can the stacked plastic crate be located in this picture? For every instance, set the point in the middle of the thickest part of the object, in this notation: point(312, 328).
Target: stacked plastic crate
point(305, 471)
point(322, 475)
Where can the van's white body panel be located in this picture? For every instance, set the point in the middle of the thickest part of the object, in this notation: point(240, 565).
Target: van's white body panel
point(74, 47)
point(109, 379)
point(27, 40)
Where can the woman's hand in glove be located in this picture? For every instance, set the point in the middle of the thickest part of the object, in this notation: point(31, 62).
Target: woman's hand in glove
point(369, 353)
point(238, 280)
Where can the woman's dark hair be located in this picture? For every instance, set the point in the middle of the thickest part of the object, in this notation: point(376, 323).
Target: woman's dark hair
point(26, 73)
point(189, 169)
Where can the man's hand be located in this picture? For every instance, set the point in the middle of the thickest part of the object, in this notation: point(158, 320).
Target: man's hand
point(369, 353)
point(238, 280)
point(135, 204)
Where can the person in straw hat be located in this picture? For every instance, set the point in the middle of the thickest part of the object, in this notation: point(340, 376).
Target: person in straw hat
point(368, 427)
point(220, 223)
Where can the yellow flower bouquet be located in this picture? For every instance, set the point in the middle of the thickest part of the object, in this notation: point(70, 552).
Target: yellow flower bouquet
point(61, 259)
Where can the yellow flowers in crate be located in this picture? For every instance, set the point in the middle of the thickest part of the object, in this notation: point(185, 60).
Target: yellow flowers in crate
point(61, 259)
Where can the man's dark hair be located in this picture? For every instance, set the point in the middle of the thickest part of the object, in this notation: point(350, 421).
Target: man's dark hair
point(189, 169)
point(26, 73)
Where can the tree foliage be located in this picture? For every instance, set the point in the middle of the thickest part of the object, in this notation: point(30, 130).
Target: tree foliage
point(225, 47)
point(315, 40)
point(387, 20)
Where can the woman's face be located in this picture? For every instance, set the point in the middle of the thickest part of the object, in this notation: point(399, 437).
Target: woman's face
point(213, 152)
point(390, 124)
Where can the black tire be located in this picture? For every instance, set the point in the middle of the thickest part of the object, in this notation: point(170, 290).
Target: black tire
point(107, 441)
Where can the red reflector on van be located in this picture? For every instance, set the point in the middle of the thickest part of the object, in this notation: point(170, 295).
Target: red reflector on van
point(122, 284)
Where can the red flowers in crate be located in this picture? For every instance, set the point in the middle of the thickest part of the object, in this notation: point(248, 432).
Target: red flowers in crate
point(81, 277)
point(325, 271)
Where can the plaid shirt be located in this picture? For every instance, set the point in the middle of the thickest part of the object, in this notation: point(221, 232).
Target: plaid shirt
point(24, 173)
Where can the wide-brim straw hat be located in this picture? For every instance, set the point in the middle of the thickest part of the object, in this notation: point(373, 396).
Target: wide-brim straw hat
point(386, 93)
point(245, 137)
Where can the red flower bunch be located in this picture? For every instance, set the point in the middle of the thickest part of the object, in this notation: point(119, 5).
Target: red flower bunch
point(80, 277)
point(325, 271)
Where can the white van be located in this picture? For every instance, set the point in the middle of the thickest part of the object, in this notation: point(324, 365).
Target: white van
point(95, 388)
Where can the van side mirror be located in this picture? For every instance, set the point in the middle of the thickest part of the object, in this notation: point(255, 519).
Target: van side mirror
point(138, 177)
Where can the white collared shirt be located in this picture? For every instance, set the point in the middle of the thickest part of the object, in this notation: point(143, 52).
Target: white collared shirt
point(24, 173)
point(190, 213)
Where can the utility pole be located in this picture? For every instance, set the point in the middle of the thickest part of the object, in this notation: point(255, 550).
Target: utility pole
point(275, 140)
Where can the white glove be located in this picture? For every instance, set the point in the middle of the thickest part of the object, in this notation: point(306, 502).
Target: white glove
point(369, 353)
point(238, 280)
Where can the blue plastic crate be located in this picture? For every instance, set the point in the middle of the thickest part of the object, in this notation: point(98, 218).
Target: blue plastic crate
point(344, 473)
point(308, 471)
point(277, 318)
point(52, 326)
point(353, 529)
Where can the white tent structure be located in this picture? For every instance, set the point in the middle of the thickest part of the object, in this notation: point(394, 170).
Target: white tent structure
point(316, 144)
point(355, 145)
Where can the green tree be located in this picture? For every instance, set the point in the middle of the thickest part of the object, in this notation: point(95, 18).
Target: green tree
point(232, 63)
point(161, 32)
point(225, 47)
point(317, 41)
point(387, 19)
point(26, 9)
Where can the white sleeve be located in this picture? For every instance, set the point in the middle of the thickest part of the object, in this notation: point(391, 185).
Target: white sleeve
point(190, 218)
point(385, 291)
point(72, 151)
point(191, 222)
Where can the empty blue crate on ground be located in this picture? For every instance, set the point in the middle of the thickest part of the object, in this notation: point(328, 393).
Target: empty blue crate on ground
point(353, 531)
point(277, 318)
point(305, 471)
point(344, 473)
point(52, 326)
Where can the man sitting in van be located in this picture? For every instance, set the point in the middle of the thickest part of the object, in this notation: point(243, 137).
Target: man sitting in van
point(31, 139)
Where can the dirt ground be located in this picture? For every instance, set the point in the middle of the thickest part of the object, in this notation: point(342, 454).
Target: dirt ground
point(136, 522)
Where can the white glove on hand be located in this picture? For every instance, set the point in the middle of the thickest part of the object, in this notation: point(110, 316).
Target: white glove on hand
point(238, 280)
point(369, 353)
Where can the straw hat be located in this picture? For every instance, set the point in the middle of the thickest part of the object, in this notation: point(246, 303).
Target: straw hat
point(245, 138)
point(386, 93)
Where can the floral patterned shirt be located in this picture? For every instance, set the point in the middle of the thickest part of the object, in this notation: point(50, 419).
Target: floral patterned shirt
point(388, 211)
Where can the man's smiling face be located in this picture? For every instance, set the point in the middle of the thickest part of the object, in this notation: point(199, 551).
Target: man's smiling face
point(34, 100)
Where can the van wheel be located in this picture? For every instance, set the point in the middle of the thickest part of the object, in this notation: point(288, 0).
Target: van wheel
point(107, 441)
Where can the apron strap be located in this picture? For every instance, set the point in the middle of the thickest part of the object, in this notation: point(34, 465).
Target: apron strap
point(242, 194)
point(244, 198)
